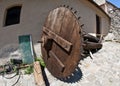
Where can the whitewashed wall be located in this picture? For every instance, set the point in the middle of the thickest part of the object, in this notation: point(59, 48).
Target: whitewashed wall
point(34, 13)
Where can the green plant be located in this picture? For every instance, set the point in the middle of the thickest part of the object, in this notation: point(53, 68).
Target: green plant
point(42, 63)
point(29, 70)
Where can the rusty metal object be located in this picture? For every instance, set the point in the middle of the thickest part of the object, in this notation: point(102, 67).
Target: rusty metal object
point(61, 42)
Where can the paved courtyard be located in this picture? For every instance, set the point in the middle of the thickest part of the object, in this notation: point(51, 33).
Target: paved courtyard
point(102, 70)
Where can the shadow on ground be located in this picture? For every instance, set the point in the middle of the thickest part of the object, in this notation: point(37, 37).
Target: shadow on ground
point(45, 77)
point(75, 77)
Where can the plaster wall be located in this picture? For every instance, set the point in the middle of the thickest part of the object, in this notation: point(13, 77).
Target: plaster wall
point(34, 13)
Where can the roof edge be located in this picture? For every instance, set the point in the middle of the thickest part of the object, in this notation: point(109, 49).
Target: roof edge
point(112, 4)
point(91, 1)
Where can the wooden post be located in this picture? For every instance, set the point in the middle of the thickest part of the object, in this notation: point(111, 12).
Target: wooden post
point(39, 81)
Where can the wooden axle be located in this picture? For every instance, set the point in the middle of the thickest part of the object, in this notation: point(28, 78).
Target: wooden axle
point(92, 45)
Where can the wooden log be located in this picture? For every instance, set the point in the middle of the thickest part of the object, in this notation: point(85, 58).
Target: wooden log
point(91, 45)
point(91, 38)
point(38, 74)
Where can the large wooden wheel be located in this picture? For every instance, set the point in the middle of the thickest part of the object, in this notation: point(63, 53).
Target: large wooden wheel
point(61, 45)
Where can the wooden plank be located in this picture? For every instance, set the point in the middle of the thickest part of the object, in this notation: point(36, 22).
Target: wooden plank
point(38, 74)
point(60, 66)
point(62, 42)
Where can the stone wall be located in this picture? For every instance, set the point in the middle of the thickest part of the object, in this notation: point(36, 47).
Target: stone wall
point(114, 13)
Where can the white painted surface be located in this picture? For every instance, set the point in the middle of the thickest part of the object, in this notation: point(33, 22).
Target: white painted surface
point(34, 13)
point(100, 2)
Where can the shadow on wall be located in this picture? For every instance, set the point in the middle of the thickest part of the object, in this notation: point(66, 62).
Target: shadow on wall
point(9, 51)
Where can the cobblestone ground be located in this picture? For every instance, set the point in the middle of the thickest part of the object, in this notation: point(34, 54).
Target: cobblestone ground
point(102, 70)
point(24, 80)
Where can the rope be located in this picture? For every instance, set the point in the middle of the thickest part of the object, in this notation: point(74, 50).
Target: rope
point(11, 76)
point(17, 80)
point(17, 73)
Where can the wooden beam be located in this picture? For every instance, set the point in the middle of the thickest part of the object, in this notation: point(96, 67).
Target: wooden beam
point(59, 40)
point(39, 81)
